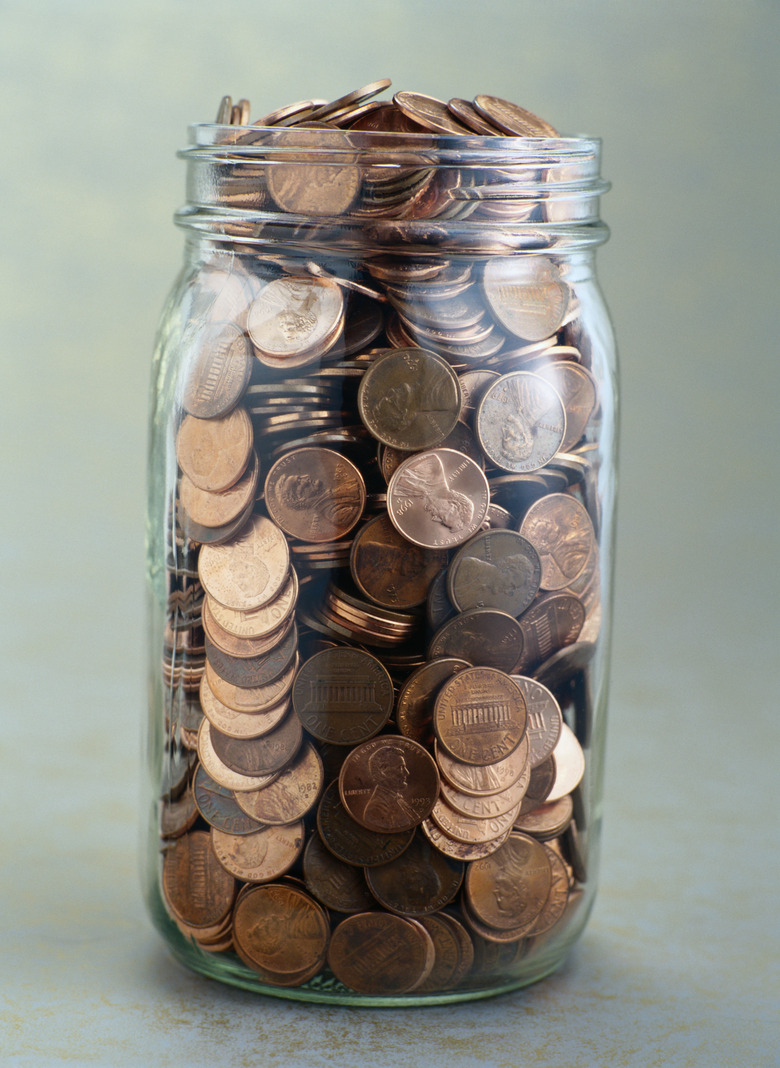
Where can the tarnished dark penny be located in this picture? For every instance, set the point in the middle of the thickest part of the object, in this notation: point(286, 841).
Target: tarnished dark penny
point(544, 718)
point(488, 778)
point(380, 953)
point(542, 779)
point(520, 422)
point(553, 621)
point(281, 929)
point(422, 880)
point(390, 570)
point(250, 672)
point(249, 571)
point(313, 494)
point(261, 856)
point(241, 648)
point(197, 888)
point(446, 970)
point(259, 756)
point(439, 608)
point(414, 707)
point(480, 715)
point(251, 699)
point(510, 887)
point(496, 569)
point(389, 784)
point(342, 695)
point(483, 636)
point(560, 530)
point(214, 453)
point(458, 850)
point(438, 498)
point(218, 806)
point(410, 399)
point(218, 370)
point(336, 884)
point(291, 795)
point(351, 842)
point(219, 771)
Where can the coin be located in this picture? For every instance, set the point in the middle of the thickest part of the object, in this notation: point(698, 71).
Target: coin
point(290, 796)
point(211, 509)
point(346, 839)
point(250, 699)
point(548, 820)
point(520, 422)
point(446, 971)
point(480, 716)
point(261, 856)
point(414, 707)
point(510, 887)
point(485, 806)
point(511, 118)
point(410, 399)
point(177, 814)
point(255, 757)
point(219, 771)
point(429, 112)
point(389, 784)
point(380, 953)
point(465, 111)
point(421, 881)
point(318, 175)
point(470, 829)
point(218, 807)
point(495, 569)
point(217, 370)
point(458, 850)
point(553, 621)
point(214, 453)
point(315, 494)
point(526, 295)
point(336, 884)
point(197, 888)
point(343, 695)
point(388, 569)
point(255, 670)
point(295, 320)
point(483, 636)
point(438, 498)
point(239, 724)
point(569, 764)
point(258, 622)
point(248, 571)
point(357, 96)
point(560, 530)
point(576, 387)
point(281, 930)
point(544, 718)
point(487, 778)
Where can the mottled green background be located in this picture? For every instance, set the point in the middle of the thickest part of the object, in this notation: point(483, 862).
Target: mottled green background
point(679, 965)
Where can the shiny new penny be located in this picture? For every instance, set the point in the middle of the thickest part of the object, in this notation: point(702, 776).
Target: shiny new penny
point(214, 453)
point(552, 622)
point(218, 370)
point(520, 422)
point(220, 509)
point(414, 708)
point(293, 321)
point(480, 716)
point(291, 795)
point(239, 724)
point(526, 295)
point(281, 929)
point(343, 696)
point(422, 880)
point(258, 622)
point(438, 498)
point(410, 399)
point(544, 718)
point(389, 784)
point(569, 764)
point(496, 569)
point(487, 778)
point(336, 884)
point(314, 494)
point(248, 571)
point(250, 699)
point(261, 856)
point(259, 756)
point(380, 953)
point(510, 887)
point(218, 806)
point(197, 888)
point(349, 841)
point(483, 636)
point(388, 569)
point(560, 530)
point(219, 771)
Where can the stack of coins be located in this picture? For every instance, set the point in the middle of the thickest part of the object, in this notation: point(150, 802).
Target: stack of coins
point(384, 595)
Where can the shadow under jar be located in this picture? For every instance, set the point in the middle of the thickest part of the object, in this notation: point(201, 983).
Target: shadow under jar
point(381, 512)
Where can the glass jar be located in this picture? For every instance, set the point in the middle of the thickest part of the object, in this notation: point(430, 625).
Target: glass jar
point(381, 512)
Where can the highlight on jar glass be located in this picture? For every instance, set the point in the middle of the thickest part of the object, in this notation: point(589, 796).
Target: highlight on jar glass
point(380, 543)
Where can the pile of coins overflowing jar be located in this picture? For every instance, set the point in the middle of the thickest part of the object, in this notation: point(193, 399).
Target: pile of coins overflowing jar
point(379, 551)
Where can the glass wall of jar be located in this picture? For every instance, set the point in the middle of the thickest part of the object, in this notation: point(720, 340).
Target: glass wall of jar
point(381, 503)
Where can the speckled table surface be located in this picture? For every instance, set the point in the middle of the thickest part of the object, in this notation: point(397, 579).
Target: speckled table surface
point(678, 966)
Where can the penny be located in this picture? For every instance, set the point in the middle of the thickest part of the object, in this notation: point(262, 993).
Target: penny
point(562, 666)
point(357, 96)
point(261, 856)
point(465, 111)
point(526, 295)
point(291, 795)
point(438, 499)
point(414, 707)
point(214, 453)
point(487, 778)
point(421, 881)
point(239, 724)
point(336, 884)
point(241, 648)
point(472, 386)
point(295, 320)
point(281, 930)
point(254, 757)
point(211, 509)
point(510, 887)
point(569, 764)
point(446, 971)
point(315, 494)
point(389, 784)
point(196, 533)
point(511, 118)
point(576, 387)
point(544, 718)
point(439, 608)
point(557, 899)
point(485, 806)
point(222, 296)
point(480, 716)
point(539, 786)
point(197, 888)
point(560, 530)
point(251, 699)
point(349, 841)
point(248, 672)
point(318, 175)
point(410, 399)
point(458, 850)
point(429, 112)
point(343, 696)
point(289, 111)
point(520, 422)
point(218, 807)
point(495, 569)
point(470, 829)
point(249, 571)
point(177, 814)
point(548, 820)
point(219, 771)
point(388, 569)
point(380, 953)
point(553, 621)
point(483, 636)
point(217, 370)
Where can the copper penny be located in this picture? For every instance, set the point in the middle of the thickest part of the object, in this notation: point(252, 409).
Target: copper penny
point(311, 180)
point(343, 696)
point(510, 887)
point(422, 880)
point(511, 118)
point(218, 806)
point(349, 841)
point(485, 806)
point(452, 847)
point(446, 968)
point(197, 888)
point(260, 756)
point(544, 718)
point(487, 778)
point(557, 899)
point(480, 715)
point(241, 648)
point(560, 530)
point(239, 724)
point(431, 113)
point(388, 569)
point(552, 622)
point(520, 422)
point(389, 784)
point(495, 569)
point(547, 820)
point(251, 699)
point(281, 930)
point(261, 856)
point(291, 795)
point(316, 495)
point(336, 884)
point(248, 571)
point(294, 321)
point(214, 453)
point(218, 370)
point(255, 670)
point(438, 498)
point(541, 782)
point(219, 509)
point(483, 636)
point(219, 771)
point(380, 953)
point(414, 708)
point(576, 387)
point(470, 829)
point(177, 814)
point(258, 622)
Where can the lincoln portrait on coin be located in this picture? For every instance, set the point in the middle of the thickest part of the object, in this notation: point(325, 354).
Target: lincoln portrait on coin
point(425, 480)
point(388, 770)
point(303, 492)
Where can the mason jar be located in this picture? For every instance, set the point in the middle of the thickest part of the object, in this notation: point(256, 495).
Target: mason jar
point(379, 564)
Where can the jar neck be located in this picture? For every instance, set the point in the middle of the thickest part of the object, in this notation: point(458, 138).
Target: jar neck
point(404, 193)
